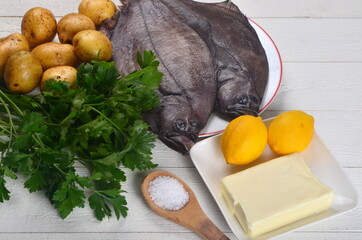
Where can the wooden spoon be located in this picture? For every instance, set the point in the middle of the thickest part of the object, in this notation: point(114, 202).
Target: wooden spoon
point(190, 216)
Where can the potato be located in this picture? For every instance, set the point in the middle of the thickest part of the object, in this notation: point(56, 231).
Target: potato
point(38, 26)
point(23, 72)
point(92, 45)
point(71, 24)
point(8, 46)
point(55, 54)
point(97, 10)
point(60, 73)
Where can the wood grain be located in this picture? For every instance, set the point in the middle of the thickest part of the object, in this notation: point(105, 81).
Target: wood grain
point(171, 235)
point(320, 44)
point(298, 39)
point(253, 8)
point(27, 212)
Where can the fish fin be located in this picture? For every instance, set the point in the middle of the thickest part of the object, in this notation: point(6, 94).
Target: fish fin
point(124, 2)
point(108, 25)
point(228, 7)
point(228, 4)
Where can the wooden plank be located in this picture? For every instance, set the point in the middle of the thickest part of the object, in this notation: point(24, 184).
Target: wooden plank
point(320, 86)
point(103, 235)
point(164, 157)
point(11, 25)
point(316, 40)
point(172, 235)
point(303, 40)
point(252, 8)
point(301, 9)
point(20, 7)
point(27, 212)
point(299, 235)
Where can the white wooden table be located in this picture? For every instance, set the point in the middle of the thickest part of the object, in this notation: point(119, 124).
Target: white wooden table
point(321, 45)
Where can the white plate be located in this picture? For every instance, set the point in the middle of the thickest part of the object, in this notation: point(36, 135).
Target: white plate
point(217, 124)
point(212, 167)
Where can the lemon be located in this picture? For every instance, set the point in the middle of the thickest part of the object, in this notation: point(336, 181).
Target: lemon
point(244, 140)
point(290, 132)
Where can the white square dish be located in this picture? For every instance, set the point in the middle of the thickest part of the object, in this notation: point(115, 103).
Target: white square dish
point(210, 162)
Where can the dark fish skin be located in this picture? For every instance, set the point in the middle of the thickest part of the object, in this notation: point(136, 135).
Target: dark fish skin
point(188, 88)
point(240, 62)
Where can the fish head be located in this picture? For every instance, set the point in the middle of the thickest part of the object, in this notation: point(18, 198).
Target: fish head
point(178, 124)
point(238, 97)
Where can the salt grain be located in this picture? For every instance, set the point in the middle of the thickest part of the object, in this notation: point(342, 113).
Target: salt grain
point(168, 193)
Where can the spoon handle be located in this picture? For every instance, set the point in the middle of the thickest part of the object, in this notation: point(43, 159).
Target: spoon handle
point(208, 230)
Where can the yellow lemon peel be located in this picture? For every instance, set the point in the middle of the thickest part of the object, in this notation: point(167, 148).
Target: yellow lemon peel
point(244, 140)
point(290, 132)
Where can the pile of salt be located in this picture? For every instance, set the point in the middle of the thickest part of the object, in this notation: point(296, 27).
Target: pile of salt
point(168, 193)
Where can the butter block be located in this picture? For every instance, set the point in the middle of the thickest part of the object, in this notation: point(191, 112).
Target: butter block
point(274, 194)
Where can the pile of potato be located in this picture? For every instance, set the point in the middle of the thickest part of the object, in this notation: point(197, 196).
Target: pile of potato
point(30, 58)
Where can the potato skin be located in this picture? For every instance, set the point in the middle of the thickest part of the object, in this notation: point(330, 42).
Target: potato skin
point(71, 24)
point(10, 45)
point(60, 73)
point(55, 54)
point(97, 10)
point(92, 45)
point(38, 26)
point(23, 72)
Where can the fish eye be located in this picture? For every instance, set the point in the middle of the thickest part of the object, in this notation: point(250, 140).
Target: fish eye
point(243, 99)
point(180, 125)
point(254, 99)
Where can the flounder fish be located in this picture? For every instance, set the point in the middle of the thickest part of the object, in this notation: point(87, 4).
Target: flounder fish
point(188, 88)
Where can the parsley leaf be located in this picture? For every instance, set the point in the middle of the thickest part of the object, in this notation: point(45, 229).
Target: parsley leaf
point(31, 123)
point(4, 192)
point(148, 59)
point(35, 182)
point(99, 202)
point(68, 196)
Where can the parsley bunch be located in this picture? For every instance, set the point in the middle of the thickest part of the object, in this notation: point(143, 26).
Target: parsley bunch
point(97, 124)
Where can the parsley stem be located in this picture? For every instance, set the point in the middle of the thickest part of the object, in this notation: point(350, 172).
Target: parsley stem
point(60, 170)
point(108, 119)
point(11, 125)
point(12, 129)
point(100, 193)
point(94, 104)
point(37, 139)
point(16, 108)
point(70, 116)
point(51, 124)
point(4, 128)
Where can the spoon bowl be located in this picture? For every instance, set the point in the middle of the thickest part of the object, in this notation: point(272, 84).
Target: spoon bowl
point(190, 215)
